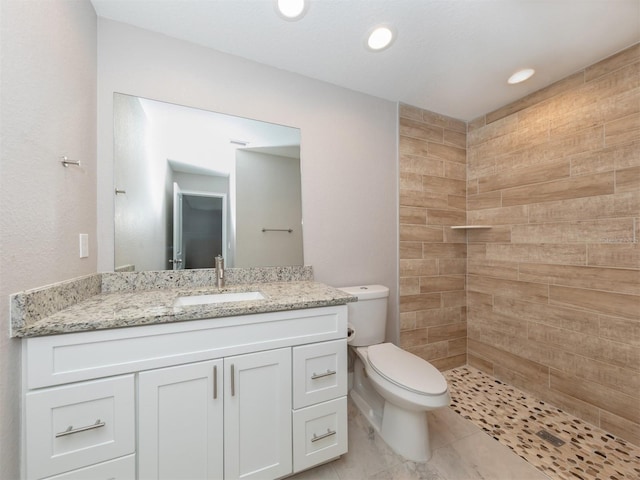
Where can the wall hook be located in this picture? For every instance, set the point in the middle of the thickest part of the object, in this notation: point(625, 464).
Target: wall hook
point(66, 162)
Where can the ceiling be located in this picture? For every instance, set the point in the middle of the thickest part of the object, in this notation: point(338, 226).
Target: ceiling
point(452, 57)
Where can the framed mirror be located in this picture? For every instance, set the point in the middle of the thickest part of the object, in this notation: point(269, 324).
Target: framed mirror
point(191, 184)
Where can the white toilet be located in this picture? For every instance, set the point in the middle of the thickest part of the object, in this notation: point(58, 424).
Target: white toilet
point(393, 388)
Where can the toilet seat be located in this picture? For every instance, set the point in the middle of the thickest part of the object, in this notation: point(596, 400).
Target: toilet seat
point(406, 370)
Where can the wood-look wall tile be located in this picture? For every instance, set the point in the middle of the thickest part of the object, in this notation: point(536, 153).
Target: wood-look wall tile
point(458, 202)
point(623, 130)
point(444, 186)
point(457, 346)
point(620, 427)
point(454, 299)
point(414, 303)
point(418, 267)
point(496, 325)
point(413, 146)
point(617, 230)
point(413, 215)
point(409, 111)
point(499, 128)
point(410, 181)
point(421, 165)
point(415, 198)
point(574, 187)
point(534, 292)
point(628, 180)
point(407, 321)
point(479, 300)
point(454, 235)
point(410, 250)
point(447, 363)
point(441, 316)
point(485, 200)
point(564, 85)
point(445, 217)
point(625, 204)
point(421, 130)
point(525, 176)
point(443, 121)
point(429, 352)
point(616, 377)
point(620, 330)
point(608, 399)
point(475, 124)
point(420, 233)
point(597, 278)
point(613, 63)
point(447, 332)
point(499, 216)
point(455, 170)
point(443, 250)
point(480, 363)
point(614, 255)
point(447, 152)
point(452, 266)
point(518, 364)
point(608, 303)
point(589, 346)
point(501, 234)
point(441, 283)
point(455, 138)
point(567, 254)
point(409, 286)
point(492, 268)
point(565, 318)
point(411, 338)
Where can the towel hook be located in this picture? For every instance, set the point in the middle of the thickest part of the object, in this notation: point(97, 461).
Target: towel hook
point(66, 162)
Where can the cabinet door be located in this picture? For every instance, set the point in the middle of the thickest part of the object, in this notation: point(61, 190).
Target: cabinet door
point(180, 411)
point(257, 429)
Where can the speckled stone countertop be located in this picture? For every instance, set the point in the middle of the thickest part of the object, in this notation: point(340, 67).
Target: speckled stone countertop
point(90, 303)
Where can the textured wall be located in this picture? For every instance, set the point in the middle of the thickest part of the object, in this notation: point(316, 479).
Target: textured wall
point(432, 255)
point(48, 109)
point(553, 288)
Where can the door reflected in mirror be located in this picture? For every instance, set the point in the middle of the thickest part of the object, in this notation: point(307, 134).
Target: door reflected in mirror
point(191, 184)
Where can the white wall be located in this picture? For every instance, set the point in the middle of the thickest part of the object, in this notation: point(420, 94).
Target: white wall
point(47, 109)
point(349, 153)
point(268, 196)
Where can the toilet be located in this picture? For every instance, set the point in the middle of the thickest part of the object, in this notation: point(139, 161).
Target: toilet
point(393, 389)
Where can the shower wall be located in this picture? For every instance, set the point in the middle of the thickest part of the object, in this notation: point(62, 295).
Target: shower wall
point(553, 288)
point(432, 255)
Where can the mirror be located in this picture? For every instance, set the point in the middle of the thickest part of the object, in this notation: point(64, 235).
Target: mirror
point(192, 184)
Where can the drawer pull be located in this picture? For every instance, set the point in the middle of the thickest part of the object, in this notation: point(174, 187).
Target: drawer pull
point(215, 382)
point(324, 435)
point(315, 375)
point(70, 430)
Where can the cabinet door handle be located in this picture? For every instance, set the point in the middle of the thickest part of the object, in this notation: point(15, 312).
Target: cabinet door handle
point(324, 435)
point(215, 382)
point(315, 375)
point(233, 380)
point(70, 430)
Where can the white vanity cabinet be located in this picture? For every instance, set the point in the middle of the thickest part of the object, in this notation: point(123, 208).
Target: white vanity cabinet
point(257, 396)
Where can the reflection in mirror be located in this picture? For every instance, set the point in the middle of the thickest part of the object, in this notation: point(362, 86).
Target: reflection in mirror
point(191, 184)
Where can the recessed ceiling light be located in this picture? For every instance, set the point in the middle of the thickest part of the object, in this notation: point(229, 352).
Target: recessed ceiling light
point(380, 38)
point(521, 75)
point(291, 9)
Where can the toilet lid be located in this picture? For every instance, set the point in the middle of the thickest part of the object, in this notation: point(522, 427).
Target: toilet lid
point(406, 369)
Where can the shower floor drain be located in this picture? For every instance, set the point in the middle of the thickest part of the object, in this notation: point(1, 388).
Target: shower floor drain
point(548, 437)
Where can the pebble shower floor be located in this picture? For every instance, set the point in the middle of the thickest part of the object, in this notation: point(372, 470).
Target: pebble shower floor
point(513, 417)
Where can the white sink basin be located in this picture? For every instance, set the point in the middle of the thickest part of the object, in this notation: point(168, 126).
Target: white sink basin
point(217, 298)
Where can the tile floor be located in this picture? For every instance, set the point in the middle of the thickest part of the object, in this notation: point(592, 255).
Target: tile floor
point(463, 441)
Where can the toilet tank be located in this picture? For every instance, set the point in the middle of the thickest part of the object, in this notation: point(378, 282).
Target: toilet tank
point(368, 316)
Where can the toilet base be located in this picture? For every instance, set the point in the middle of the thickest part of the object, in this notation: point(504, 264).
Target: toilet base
point(406, 432)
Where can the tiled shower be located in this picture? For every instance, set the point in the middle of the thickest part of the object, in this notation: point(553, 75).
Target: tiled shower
point(548, 298)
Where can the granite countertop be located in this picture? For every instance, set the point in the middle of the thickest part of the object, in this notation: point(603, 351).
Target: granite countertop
point(147, 307)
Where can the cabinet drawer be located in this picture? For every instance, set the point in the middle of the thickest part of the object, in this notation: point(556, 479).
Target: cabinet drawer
point(319, 372)
point(123, 468)
point(73, 426)
point(319, 433)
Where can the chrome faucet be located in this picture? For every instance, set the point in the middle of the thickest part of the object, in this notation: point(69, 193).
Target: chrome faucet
point(219, 271)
